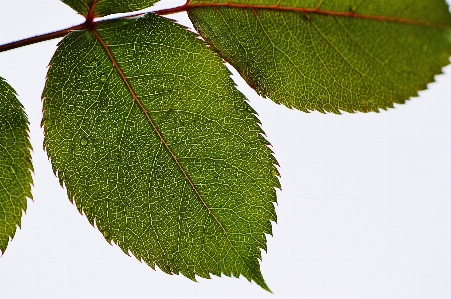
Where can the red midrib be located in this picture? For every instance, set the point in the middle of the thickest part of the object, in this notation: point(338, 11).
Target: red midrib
point(144, 110)
point(348, 14)
point(163, 141)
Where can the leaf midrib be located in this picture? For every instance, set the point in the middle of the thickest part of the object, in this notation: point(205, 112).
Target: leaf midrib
point(307, 11)
point(166, 145)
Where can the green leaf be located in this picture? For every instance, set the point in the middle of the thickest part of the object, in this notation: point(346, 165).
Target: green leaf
point(15, 163)
point(348, 55)
point(145, 129)
point(99, 8)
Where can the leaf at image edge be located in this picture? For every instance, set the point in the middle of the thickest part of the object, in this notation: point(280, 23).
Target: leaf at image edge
point(15, 164)
point(329, 62)
point(108, 7)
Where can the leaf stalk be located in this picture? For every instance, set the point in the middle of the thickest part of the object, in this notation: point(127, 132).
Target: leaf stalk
point(90, 19)
point(88, 24)
point(40, 38)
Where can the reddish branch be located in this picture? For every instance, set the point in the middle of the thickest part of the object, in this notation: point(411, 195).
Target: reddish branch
point(40, 38)
point(90, 23)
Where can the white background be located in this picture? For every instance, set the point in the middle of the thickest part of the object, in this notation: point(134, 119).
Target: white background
point(365, 210)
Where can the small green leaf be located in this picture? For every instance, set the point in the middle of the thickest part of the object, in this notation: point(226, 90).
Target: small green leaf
point(348, 55)
point(101, 8)
point(15, 163)
point(145, 129)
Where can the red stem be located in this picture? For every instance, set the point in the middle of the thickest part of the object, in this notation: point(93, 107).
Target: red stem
point(40, 38)
point(91, 16)
point(89, 24)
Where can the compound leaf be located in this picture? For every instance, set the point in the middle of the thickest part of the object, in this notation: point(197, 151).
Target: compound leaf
point(344, 55)
point(157, 148)
point(100, 8)
point(15, 163)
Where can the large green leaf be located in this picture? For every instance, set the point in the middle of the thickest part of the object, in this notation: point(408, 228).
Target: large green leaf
point(349, 55)
point(154, 144)
point(100, 8)
point(15, 163)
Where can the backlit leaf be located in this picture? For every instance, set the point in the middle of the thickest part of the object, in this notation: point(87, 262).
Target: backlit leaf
point(348, 55)
point(100, 8)
point(15, 163)
point(145, 129)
